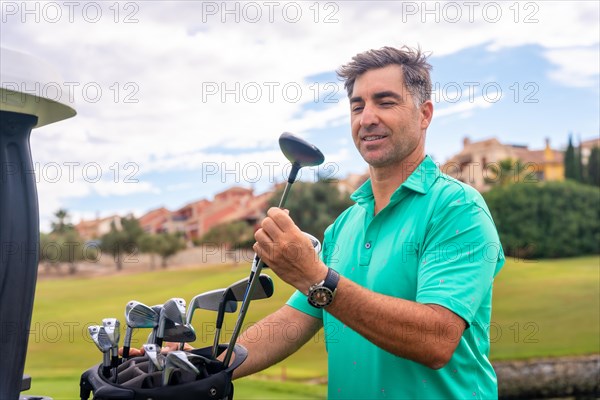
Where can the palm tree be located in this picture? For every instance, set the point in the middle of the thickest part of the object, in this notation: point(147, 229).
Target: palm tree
point(505, 172)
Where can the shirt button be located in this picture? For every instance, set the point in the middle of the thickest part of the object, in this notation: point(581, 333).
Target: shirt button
point(368, 245)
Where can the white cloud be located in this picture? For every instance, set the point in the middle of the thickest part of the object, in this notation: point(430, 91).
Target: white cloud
point(575, 67)
point(153, 108)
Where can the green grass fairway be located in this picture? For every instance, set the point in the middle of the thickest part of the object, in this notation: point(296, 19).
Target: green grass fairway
point(544, 308)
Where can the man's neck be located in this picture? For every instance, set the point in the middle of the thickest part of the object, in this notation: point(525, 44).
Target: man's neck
point(385, 180)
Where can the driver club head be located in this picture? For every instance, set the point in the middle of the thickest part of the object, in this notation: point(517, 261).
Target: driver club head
point(315, 242)
point(299, 151)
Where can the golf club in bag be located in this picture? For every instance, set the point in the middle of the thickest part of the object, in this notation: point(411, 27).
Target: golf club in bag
point(203, 378)
point(301, 154)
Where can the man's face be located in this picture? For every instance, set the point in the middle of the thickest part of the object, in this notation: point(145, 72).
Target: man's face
point(387, 127)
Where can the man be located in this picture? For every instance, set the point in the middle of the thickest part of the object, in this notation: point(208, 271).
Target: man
point(407, 312)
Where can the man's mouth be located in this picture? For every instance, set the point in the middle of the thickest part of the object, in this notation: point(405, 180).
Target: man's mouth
point(372, 138)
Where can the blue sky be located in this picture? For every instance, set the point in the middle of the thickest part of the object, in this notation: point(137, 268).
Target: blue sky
point(177, 101)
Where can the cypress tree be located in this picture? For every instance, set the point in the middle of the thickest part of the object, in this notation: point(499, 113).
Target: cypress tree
point(593, 167)
point(570, 171)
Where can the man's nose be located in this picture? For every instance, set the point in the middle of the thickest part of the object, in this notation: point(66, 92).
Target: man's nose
point(368, 116)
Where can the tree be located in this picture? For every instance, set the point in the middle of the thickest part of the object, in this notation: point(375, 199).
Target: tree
point(570, 161)
point(168, 244)
point(149, 245)
point(580, 172)
point(63, 244)
point(505, 172)
point(115, 243)
point(124, 241)
point(60, 225)
point(314, 206)
point(593, 167)
point(231, 234)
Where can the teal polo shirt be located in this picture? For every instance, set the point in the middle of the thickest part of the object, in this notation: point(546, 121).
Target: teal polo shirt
point(435, 243)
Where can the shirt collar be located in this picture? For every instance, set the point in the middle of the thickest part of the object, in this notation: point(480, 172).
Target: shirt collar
point(420, 181)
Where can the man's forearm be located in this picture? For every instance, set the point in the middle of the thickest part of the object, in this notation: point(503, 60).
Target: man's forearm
point(427, 334)
point(271, 345)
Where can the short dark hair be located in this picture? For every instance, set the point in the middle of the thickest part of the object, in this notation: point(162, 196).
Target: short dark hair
point(415, 69)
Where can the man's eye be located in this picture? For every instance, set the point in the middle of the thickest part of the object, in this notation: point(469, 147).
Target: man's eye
point(387, 103)
point(357, 109)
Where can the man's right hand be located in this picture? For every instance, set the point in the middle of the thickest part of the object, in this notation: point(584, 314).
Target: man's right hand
point(168, 347)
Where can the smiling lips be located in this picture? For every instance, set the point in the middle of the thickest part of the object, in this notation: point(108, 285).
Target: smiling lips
point(372, 138)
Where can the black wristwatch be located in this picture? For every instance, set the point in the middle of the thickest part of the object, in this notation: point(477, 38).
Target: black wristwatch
point(322, 294)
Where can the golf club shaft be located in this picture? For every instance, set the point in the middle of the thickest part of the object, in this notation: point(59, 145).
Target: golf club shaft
point(127, 342)
point(254, 273)
point(242, 314)
point(216, 343)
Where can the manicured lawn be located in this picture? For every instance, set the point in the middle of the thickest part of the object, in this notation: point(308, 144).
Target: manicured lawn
point(545, 308)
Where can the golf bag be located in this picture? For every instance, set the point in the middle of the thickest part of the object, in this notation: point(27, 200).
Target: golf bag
point(135, 383)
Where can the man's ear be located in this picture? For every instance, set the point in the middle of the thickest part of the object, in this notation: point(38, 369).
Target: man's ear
point(426, 110)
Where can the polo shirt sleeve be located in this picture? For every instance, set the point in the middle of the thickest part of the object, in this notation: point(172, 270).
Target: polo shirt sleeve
point(298, 300)
point(461, 255)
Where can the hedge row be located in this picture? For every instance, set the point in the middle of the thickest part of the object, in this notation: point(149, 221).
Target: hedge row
point(547, 220)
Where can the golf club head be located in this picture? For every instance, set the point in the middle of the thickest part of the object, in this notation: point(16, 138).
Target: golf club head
point(208, 301)
point(315, 242)
point(152, 352)
point(112, 327)
point(174, 311)
point(177, 359)
point(182, 333)
point(93, 331)
point(264, 290)
point(299, 151)
point(104, 344)
point(139, 315)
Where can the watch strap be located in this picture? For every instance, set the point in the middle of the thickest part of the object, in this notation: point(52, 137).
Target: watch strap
point(331, 280)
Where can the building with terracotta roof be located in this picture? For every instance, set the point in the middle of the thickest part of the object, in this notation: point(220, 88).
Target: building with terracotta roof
point(473, 164)
point(94, 229)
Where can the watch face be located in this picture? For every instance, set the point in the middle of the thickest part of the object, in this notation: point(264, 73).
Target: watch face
point(320, 297)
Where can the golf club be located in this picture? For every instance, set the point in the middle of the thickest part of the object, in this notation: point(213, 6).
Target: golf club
point(158, 308)
point(301, 154)
point(112, 327)
point(315, 242)
point(175, 332)
point(177, 359)
point(102, 341)
point(208, 301)
point(152, 352)
point(235, 293)
point(137, 315)
point(173, 310)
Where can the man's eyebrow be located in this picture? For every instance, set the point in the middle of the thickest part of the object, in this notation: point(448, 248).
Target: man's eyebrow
point(378, 96)
point(388, 93)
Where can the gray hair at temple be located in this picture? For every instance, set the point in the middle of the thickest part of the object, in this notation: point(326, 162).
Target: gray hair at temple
point(415, 69)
